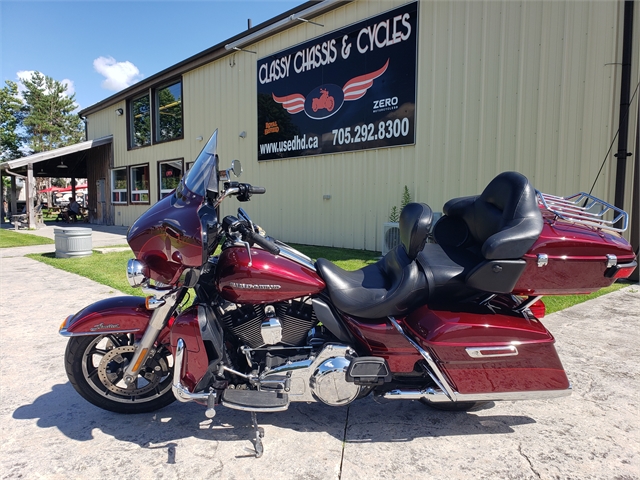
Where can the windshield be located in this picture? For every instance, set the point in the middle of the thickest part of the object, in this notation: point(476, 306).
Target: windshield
point(199, 177)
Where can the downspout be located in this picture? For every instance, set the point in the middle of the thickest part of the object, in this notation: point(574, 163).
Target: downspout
point(635, 203)
point(625, 91)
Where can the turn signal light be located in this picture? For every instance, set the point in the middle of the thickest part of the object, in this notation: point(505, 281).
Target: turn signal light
point(621, 271)
point(141, 359)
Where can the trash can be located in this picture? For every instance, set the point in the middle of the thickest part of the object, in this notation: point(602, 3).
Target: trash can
point(72, 242)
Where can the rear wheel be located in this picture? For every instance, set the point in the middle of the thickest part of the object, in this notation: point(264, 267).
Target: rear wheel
point(95, 366)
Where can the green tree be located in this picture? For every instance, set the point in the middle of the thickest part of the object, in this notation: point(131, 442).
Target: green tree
point(49, 120)
point(11, 116)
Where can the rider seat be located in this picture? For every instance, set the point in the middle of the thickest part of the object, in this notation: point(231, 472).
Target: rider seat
point(394, 284)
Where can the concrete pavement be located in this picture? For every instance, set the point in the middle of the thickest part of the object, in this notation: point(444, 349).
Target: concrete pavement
point(48, 431)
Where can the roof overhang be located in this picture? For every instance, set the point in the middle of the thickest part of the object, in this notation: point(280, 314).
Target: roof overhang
point(48, 164)
point(284, 21)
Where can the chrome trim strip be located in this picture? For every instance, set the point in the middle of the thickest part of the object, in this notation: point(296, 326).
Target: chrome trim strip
point(438, 378)
point(180, 391)
point(234, 406)
point(438, 396)
point(292, 254)
point(65, 333)
point(479, 352)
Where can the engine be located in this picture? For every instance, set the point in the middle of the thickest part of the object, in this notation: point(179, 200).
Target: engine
point(285, 323)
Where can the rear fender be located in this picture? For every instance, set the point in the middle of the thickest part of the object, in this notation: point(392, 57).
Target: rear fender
point(111, 315)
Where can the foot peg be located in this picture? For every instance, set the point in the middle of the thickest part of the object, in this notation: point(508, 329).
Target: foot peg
point(210, 412)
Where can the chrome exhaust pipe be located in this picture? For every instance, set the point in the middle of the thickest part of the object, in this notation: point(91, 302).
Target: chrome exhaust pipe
point(181, 392)
point(438, 396)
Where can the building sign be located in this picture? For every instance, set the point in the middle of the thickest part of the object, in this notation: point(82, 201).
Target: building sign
point(352, 89)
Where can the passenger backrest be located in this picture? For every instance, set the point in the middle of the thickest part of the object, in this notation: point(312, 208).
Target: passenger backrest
point(415, 222)
point(504, 220)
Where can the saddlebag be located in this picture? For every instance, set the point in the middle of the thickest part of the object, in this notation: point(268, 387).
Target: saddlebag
point(489, 353)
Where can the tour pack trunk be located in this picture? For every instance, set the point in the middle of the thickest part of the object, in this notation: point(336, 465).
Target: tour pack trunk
point(484, 353)
point(579, 250)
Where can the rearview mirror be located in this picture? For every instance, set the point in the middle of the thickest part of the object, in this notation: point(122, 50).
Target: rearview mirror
point(236, 167)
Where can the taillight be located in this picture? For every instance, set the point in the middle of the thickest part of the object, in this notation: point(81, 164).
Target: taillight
point(538, 309)
point(620, 271)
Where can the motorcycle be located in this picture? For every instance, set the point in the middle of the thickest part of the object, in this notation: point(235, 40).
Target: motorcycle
point(450, 317)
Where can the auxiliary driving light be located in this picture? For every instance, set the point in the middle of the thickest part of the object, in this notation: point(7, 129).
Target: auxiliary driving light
point(136, 273)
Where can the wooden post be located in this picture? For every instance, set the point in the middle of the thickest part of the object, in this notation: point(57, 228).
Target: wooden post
point(14, 196)
point(4, 211)
point(30, 186)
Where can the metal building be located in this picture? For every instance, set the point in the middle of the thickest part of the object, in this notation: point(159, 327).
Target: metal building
point(469, 89)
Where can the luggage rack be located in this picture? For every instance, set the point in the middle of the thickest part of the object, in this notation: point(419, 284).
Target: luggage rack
point(585, 209)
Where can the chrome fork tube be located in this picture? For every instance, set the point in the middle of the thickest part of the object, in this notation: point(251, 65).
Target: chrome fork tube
point(157, 322)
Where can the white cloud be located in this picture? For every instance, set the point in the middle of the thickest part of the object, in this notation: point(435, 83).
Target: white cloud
point(23, 75)
point(118, 75)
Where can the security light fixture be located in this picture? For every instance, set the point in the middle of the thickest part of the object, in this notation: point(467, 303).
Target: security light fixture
point(119, 112)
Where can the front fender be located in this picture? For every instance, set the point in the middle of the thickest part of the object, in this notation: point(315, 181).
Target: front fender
point(111, 315)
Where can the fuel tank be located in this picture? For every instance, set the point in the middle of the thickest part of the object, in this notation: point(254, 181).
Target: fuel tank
point(267, 278)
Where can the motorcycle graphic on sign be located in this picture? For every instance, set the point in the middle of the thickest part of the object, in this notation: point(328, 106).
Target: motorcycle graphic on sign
point(329, 96)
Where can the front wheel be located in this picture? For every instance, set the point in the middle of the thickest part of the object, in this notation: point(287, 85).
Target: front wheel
point(95, 366)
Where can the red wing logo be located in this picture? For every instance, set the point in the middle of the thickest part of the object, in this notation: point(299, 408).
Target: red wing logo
point(320, 98)
point(291, 103)
point(358, 86)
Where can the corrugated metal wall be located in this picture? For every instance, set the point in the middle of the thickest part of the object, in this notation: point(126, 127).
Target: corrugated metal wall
point(527, 86)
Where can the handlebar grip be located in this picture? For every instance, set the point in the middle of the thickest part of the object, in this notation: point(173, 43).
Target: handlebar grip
point(268, 245)
point(257, 190)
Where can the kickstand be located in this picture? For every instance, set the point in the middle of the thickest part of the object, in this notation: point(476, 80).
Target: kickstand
point(259, 434)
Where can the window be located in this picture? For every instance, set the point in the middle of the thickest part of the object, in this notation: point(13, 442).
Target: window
point(119, 185)
point(140, 122)
point(168, 112)
point(156, 116)
point(139, 177)
point(169, 176)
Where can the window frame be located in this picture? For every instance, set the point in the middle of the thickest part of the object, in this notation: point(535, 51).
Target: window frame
point(160, 163)
point(154, 113)
point(137, 192)
point(131, 122)
point(155, 110)
point(119, 190)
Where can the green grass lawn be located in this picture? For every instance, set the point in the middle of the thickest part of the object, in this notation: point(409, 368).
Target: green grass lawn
point(110, 269)
point(14, 239)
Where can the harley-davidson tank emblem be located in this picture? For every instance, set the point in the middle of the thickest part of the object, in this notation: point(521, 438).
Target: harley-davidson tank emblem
point(254, 286)
point(102, 326)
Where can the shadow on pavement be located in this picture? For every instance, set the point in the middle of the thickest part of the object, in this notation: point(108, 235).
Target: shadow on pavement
point(367, 421)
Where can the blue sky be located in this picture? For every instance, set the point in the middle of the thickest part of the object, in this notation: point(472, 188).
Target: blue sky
point(99, 47)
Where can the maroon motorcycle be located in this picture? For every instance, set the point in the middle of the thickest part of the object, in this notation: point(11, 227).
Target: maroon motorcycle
point(449, 317)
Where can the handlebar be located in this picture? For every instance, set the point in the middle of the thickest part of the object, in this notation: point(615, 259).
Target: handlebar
point(232, 224)
point(242, 191)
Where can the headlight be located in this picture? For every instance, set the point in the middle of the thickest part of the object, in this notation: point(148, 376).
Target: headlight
point(136, 273)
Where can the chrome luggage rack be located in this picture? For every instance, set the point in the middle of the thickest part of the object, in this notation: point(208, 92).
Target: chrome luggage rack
point(585, 209)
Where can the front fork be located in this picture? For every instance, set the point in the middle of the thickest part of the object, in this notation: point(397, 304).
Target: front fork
point(163, 302)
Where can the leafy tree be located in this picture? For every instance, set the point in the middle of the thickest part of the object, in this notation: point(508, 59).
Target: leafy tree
point(49, 119)
point(11, 116)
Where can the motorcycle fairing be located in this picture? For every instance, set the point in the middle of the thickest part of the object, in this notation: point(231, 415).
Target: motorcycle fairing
point(201, 333)
point(111, 315)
